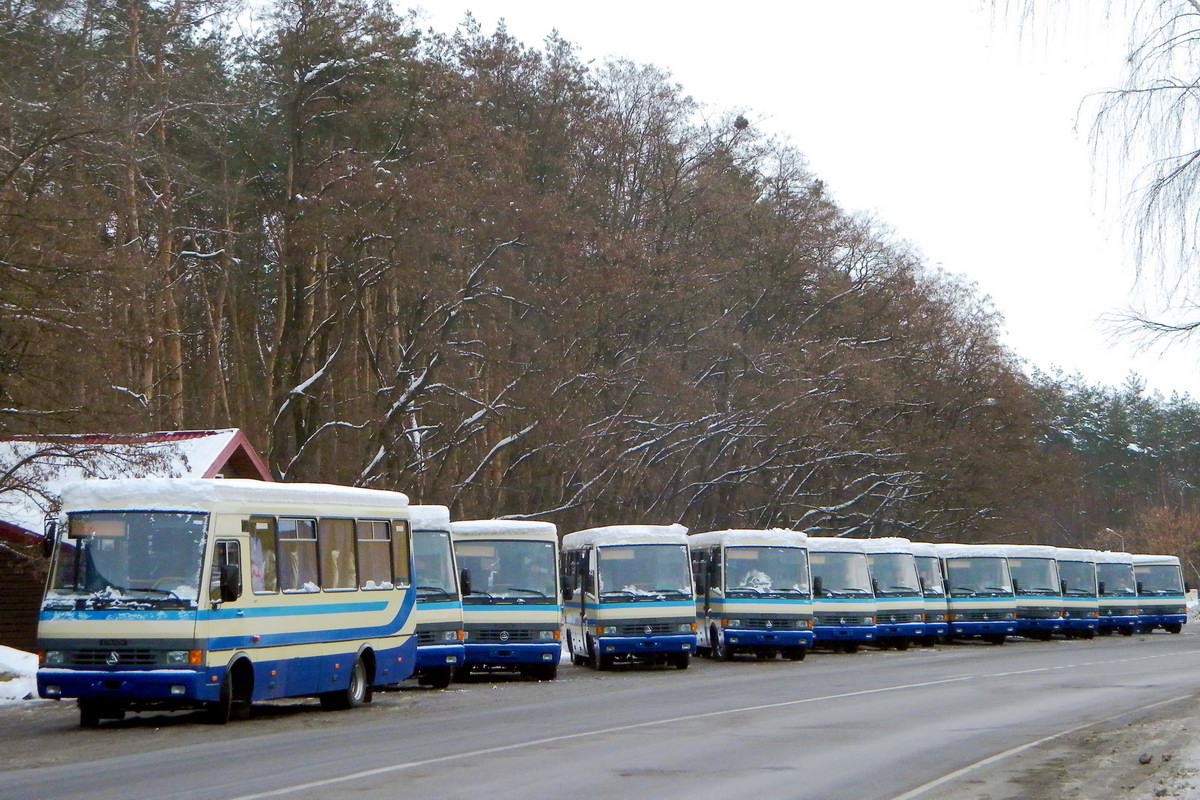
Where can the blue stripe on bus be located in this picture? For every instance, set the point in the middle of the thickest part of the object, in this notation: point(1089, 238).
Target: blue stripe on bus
point(215, 614)
point(248, 641)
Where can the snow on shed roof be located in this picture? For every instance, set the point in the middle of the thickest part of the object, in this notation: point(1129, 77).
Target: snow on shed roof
point(504, 527)
point(627, 534)
point(773, 537)
point(49, 463)
point(429, 518)
point(1113, 557)
point(1146, 558)
point(1075, 554)
point(835, 544)
point(198, 494)
point(887, 544)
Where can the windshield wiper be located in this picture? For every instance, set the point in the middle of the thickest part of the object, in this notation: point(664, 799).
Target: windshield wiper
point(538, 592)
point(434, 590)
point(966, 591)
point(675, 591)
point(155, 590)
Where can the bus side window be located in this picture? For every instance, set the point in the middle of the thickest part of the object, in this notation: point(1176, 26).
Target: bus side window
point(227, 553)
point(263, 548)
point(298, 555)
point(335, 542)
point(374, 554)
point(401, 553)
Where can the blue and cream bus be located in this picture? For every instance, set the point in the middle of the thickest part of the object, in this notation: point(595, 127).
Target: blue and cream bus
point(1081, 601)
point(753, 593)
point(933, 591)
point(1037, 588)
point(213, 594)
point(1117, 586)
point(511, 609)
point(843, 601)
point(1161, 599)
point(979, 591)
point(628, 595)
point(899, 603)
point(439, 612)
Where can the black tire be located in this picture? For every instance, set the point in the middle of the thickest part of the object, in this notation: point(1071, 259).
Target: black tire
point(681, 660)
point(221, 711)
point(850, 647)
point(995, 638)
point(720, 649)
point(91, 712)
point(357, 692)
point(542, 672)
point(1105, 632)
point(796, 653)
point(1173, 627)
point(1087, 634)
point(439, 678)
point(903, 643)
point(1126, 631)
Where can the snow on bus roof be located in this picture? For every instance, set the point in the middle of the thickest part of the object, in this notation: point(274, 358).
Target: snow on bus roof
point(1147, 558)
point(777, 537)
point(1028, 550)
point(954, 550)
point(1113, 557)
point(185, 494)
point(1075, 554)
point(924, 549)
point(429, 518)
point(627, 534)
point(503, 527)
point(887, 544)
point(836, 544)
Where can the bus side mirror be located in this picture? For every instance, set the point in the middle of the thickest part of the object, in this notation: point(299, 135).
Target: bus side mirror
point(589, 584)
point(924, 586)
point(1062, 585)
point(818, 588)
point(464, 580)
point(1141, 588)
point(1100, 588)
point(1016, 585)
point(49, 532)
point(568, 594)
point(874, 586)
point(702, 584)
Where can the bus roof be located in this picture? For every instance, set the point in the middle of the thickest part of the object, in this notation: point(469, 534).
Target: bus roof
point(1147, 559)
point(202, 494)
point(429, 518)
point(1075, 554)
point(953, 550)
point(1113, 557)
point(888, 544)
point(1028, 550)
point(835, 544)
point(772, 537)
point(924, 549)
point(627, 534)
point(492, 528)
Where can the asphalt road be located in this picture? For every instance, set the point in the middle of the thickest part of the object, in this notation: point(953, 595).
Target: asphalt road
point(872, 725)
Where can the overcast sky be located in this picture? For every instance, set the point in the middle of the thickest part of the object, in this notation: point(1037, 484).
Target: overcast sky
point(951, 124)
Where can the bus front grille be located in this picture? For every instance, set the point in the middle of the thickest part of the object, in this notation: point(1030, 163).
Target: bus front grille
point(114, 658)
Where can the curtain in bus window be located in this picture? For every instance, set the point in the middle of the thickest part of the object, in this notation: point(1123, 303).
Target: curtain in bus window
point(400, 565)
point(374, 554)
point(298, 555)
point(263, 574)
point(338, 567)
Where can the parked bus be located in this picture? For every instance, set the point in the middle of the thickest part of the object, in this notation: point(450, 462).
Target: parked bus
point(1161, 600)
point(843, 603)
point(1038, 589)
point(1081, 601)
point(214, 594)
point(752, 593)
point(899, 604)
point(1117, 587)
point(980, 592)
point(439, 612)
point(629, 595)
point(511, 610)
point(933, 592)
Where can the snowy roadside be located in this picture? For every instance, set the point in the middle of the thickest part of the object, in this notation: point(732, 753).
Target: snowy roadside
point(17, 675)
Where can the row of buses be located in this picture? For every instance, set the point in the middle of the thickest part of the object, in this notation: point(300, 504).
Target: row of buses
point(215, 594)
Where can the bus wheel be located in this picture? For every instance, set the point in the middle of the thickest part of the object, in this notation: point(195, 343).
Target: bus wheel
point(1087, 634)
point(849, 647)
point(439, 678)
point(796, 653)
point(995, 638)
point(92, 711)
point(1126, 631)
point(357, 693)
point(541, 672)
point(721, 651)
point(1173, 627)
point(902, 642)
point(681, 660)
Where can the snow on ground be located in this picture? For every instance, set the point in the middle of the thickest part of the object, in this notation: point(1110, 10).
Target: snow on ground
point(17, 675)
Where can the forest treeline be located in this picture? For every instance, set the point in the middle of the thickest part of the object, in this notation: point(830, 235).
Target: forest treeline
point(493, 276)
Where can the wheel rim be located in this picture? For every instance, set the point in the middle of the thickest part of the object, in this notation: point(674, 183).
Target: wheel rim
point(358, 682)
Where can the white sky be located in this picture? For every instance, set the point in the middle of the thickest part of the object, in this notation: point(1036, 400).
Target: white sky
point(940, 118)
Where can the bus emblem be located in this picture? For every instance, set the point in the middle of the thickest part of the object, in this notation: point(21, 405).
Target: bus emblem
point(648, 630)
point(504, 636)
point(770, 625)
point(112, 659)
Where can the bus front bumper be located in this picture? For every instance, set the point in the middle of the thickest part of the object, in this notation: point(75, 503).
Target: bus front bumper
point(644, 645)
point(758, 638)
point(935, 629)
point(1117, 623)
point(907, 630)
point(979, 628)
point(491, 654)
point(167, 685)
point(1039, 625)
point(849, 633)
point(433, 656)
point(1161, 620)
point(1080, 623)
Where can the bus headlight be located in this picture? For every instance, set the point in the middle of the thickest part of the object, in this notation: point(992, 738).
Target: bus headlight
point(731, 623)
point(54, 657)
point(449, 636)
point(177, 658)
point(687, 627)
point(548, 636)
point(606, 630)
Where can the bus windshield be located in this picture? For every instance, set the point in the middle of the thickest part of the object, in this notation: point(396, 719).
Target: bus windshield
point(931, 575)
point(1117, 578)
point(757, 571)
point(1034, 575)
point(1159, 579)
point(644, 571)
point(433, 575)
point(894, 575)
point(508, 570)
point(841, 574)
point(129, 559)
point(1079, 578)
point(978, 576)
